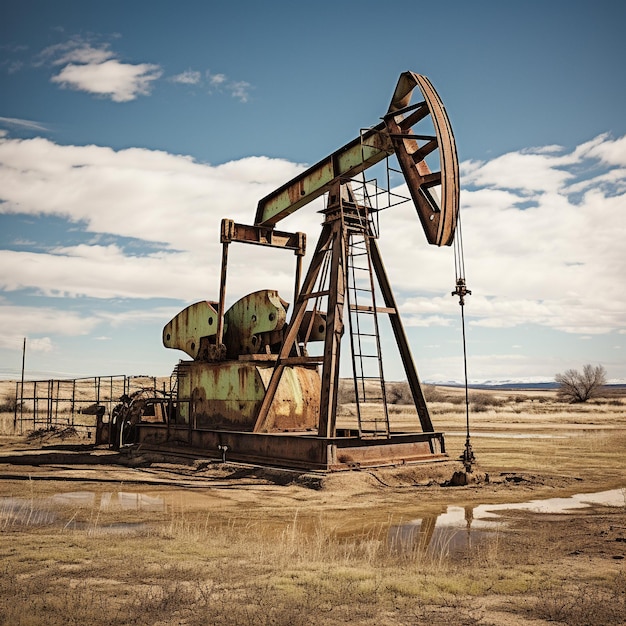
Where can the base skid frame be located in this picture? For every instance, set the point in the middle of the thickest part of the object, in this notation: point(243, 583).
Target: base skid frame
point(296, 450)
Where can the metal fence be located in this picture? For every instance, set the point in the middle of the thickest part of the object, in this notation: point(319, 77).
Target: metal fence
point(65, 403)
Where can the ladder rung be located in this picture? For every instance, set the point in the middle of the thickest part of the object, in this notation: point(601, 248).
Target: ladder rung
point(363, 308)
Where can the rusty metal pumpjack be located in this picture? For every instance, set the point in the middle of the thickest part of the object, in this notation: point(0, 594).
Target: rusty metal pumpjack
point(253, 391)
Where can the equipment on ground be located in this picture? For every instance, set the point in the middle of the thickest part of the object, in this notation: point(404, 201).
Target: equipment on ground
point(263, 383)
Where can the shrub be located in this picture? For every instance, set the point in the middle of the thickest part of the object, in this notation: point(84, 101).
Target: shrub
point(9, 403)
point(481, 401)
point(433, 394)
point(575, 386)
point(398, 393)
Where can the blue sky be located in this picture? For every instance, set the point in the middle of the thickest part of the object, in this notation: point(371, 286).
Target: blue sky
point(129, 129)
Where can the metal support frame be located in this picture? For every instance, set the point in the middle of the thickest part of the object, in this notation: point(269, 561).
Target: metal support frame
point(257, 235)
point(333, 243)
point(435, 194)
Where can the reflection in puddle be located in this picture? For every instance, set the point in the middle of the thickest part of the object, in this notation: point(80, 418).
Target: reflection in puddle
point(460, 528)
point(108, 500)
point(23, 512)
point(451, 530)
point(47, 511)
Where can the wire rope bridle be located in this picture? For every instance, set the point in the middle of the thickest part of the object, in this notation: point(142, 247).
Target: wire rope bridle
point(461, 291)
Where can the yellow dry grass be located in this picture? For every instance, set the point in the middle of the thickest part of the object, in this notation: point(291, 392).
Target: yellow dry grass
point(247, 551)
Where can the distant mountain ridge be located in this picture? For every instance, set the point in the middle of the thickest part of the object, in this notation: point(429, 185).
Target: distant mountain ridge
point(517, 384)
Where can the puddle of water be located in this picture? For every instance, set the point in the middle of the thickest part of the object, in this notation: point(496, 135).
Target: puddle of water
point(48, 511)
point(435, 536)
point(613, 497)
point(454, 529)
point(108, 501)
point(23, 512)
point(463, 527)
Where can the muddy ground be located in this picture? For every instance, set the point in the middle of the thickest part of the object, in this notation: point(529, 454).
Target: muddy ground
point(234, 544)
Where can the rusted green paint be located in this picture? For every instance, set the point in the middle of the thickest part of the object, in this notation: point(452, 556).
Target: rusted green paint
point(185, 331)
point(228, 396)
point(251, 320)
point(361, 153)
point(251, 324)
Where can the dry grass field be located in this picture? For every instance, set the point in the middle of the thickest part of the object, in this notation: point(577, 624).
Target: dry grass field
point(157, 542)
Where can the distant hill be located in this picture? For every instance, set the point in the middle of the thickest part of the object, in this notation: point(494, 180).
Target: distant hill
point(517, 386)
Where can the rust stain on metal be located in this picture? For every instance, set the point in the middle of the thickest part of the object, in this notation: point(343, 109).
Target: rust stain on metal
point(253, 386)
point(185, 331)
point(228, 395)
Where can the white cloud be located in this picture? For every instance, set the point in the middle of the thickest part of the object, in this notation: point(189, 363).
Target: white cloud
point(216, 79)
point(524, 171)
point(189, 77)
point(77, 51)
point(137, 193)
point(121, 82)
point(87, 270)
point(31, 322)
point(95, 69)
point(238, 89)
point(40, 344)
point(608, 150)
point(558, 263)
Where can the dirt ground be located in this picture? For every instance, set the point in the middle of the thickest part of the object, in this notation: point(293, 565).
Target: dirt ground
point(207, 542)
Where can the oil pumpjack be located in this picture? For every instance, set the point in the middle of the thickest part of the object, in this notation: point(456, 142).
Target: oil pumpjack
point(262, 383)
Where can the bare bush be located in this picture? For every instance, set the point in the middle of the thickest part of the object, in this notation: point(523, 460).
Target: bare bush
point(9, 403)
point(575, 386)
point(483, 401)
point(433, 394)
point(346, 394)
point(398, 393)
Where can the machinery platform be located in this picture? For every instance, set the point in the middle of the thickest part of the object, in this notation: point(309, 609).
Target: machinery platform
point(306, 451)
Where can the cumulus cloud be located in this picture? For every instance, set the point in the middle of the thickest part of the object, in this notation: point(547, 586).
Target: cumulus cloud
point(537, 171)
point(122, 82)
point(544, 250)
point(30, 321)
point(147, 194)
point(98, 71)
